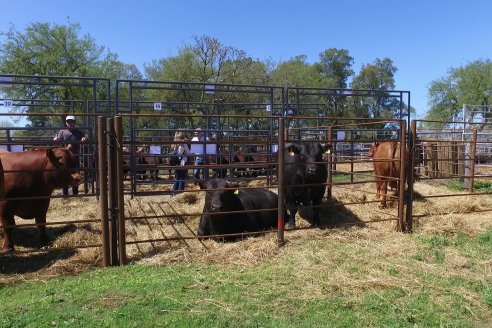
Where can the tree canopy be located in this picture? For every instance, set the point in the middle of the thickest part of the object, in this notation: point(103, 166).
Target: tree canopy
point(61, 50)
point(46, 49)
point(470, 84)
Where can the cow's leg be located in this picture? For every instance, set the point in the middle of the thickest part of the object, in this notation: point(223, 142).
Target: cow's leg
point(316, 210)
point(43, 236)
point(291, 216)
point(8, 227)
point(384, 191)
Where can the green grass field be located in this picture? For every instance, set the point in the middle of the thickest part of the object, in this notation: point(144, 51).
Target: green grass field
point(439, 281)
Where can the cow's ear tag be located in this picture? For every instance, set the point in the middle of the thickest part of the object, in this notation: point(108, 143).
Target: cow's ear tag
point(236, 192)
point(291, 153)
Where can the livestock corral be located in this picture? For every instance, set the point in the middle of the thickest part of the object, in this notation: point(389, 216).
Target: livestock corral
point(129, 211)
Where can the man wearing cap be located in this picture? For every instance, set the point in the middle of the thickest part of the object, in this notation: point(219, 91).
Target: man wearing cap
point(65, 137)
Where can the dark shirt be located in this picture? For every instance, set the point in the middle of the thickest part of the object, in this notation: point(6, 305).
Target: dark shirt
point(71, 134)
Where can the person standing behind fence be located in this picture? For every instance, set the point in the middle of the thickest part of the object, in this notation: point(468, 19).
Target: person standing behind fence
point(182, 151)
point(67, 138)
point(201, 159)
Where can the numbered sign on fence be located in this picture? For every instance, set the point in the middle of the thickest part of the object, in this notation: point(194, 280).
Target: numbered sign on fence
point(157, 106)
point(8, 103)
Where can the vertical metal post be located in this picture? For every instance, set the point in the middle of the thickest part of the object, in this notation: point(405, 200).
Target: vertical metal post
point(401, 185)
point(118, 129)
point(281, 182)
point(473, 157)
point(411, 177)
point(103, 187)
point(330, 161)
point(113, 230)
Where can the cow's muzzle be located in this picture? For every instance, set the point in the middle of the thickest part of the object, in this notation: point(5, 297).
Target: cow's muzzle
point(77, 178)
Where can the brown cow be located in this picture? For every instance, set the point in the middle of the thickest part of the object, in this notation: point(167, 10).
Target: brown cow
point(386, 163)
point(29, 179)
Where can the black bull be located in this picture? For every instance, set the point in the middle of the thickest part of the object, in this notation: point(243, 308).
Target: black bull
point(261, 202)
point(305, 177)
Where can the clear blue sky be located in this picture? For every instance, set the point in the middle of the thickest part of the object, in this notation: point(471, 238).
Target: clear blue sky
point(424, 38)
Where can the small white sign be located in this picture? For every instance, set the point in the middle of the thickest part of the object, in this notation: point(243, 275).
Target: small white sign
point(8, 103)
point(199, 149)
point(340, 135)
point(268, 108)
point(155, 150)
point(209, 89)
point(157, 106)
point(6, 79)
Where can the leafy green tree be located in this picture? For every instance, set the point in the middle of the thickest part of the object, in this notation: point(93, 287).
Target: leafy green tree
point(45, 49)
point(296, 72)
point(49, 49)
point(336, 66)
point(379, 77)
point(470, 84)
point(207, 61)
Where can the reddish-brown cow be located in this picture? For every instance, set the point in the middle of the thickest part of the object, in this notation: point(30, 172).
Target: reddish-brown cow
point(386, 160)
point(29, 179)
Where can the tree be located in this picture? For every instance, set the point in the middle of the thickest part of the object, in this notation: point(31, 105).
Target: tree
point(375, 77)
point(295, 72)
point(49, 49)
point(336, 66)
point(470, 84)
point(46, 49)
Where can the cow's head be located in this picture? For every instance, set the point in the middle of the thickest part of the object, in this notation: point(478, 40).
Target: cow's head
point(373, 149)
point(60, 170)
point(220, 196)
point(312, 155)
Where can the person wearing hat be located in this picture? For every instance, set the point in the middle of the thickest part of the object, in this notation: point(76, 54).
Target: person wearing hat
point(67, 137)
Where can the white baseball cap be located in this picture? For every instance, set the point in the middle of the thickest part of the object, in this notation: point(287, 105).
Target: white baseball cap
point(70, 117)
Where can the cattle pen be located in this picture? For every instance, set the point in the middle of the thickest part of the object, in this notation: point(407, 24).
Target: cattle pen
point(127, 171)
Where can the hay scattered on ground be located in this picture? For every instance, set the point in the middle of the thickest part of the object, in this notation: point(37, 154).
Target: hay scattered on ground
point(178, 216)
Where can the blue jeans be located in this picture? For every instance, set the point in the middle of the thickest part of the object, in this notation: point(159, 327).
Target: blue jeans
point(197, 171)
point(179, 184)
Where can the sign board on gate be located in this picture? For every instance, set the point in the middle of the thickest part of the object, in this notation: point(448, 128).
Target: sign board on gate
point(6, 79)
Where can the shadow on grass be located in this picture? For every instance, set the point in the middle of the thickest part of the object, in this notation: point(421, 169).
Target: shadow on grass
point(26, 239)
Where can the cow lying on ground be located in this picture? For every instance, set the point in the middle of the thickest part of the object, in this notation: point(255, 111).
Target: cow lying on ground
point(305, 176)
point(30, 177)
point(219, 200)
point(386, 160)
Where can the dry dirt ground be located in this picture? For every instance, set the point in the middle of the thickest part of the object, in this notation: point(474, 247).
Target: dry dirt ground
point(348, 217)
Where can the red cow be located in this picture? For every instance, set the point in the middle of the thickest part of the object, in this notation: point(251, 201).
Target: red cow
point(386, 163)
point(29, 178)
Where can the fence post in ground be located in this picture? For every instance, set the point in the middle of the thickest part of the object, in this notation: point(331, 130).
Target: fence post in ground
point(112, 197)
point(103, 188)
point(401, 184)
point(330, 161)
point(281, 182)
point(118, 129)
point(470, 155)
point(411, 177)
